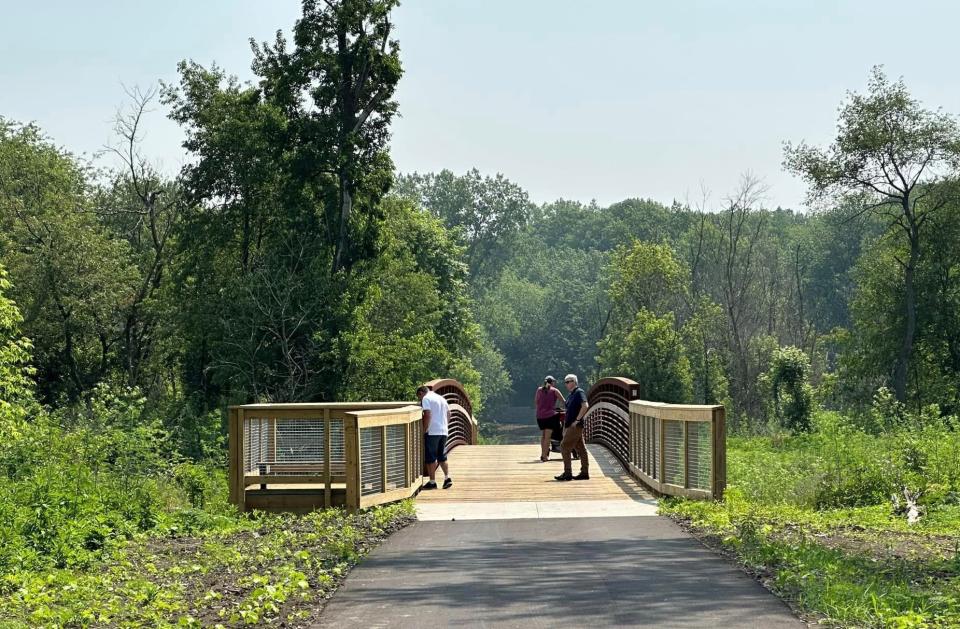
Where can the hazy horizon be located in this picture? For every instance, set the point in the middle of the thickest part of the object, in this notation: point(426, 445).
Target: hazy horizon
point(615, 102)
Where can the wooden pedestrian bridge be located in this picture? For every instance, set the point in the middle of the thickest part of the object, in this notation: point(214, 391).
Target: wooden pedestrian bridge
point(298, 457)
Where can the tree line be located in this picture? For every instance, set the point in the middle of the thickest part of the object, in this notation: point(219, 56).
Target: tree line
point(290, 261)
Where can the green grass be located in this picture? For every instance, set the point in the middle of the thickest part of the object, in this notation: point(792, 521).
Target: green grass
point(813, 518)
point(256, 570)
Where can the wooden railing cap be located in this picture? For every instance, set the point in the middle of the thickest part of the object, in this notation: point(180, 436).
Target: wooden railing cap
point(307, 406)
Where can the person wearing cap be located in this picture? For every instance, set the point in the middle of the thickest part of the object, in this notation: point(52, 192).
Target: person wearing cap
point(573, 431)
point(546, 400)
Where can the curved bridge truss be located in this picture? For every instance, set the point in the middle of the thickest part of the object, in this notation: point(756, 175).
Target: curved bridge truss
point(463, 426)
point(608, 420)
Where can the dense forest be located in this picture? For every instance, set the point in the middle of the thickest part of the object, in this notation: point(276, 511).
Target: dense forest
point(291, 261)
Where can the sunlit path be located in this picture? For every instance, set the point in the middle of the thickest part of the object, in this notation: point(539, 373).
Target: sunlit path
point(510, 481)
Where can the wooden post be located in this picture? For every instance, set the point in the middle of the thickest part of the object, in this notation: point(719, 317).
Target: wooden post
point(234, 438)
point(686, 453)
point(407, 480)
point(239, 471)
point(327, 480)
point(383, 458)
point(351, 442)
point(662, 455)
point(719, 467)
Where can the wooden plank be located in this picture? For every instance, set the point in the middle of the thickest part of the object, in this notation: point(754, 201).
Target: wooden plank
point(677, 412)
point(383, 458)
point(719, 468)
point(373, 418)
point(515, 473)
point(234, 459)
point(351, 439)
point(388, 496)
point(297, 501)
point(677, 490)
point(292, 479)
point(320, 406)
point(239, 471)
point(327, 453)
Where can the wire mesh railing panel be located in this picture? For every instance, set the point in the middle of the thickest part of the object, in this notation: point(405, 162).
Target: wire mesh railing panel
point(396, 456)
point(299, 447)
point(700, 456)
point(371, 461)
point(256, 432)
point(647, 447)
point(673, 459)
point(338, 449)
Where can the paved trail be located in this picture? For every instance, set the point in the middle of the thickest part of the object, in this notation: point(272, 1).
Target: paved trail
point(526, 551)
point(585, 572)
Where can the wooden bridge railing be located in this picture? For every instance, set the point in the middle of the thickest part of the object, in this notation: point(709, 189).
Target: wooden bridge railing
point(298, 457)
point(676, 449)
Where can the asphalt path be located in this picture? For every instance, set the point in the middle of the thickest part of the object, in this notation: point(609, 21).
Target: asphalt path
point(580, 572)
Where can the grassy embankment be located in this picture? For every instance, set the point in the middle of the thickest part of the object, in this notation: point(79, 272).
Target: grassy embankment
point(822, 520)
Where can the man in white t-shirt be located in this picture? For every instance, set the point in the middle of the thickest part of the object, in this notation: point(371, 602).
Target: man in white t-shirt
point(436, 417)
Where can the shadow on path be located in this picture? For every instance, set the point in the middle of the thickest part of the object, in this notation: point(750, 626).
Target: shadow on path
point(597, 572)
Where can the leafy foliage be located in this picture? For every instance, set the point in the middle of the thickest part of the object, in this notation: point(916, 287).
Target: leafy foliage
point(792, 394)
point(653, 352)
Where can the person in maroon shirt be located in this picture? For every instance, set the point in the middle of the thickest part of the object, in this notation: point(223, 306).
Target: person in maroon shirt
point(548, 417)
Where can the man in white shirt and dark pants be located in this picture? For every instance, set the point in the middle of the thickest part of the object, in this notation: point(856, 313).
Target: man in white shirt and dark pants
point(436, 418)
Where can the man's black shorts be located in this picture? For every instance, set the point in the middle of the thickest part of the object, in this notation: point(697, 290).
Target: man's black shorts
point(433, 448)
point(550, 423)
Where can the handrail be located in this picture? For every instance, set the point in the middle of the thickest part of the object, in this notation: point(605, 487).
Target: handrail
point(676, 449)
point(384, 451)
point(303, 456)
point(300, 456)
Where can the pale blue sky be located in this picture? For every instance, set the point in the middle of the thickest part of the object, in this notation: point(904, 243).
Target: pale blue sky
point(603, 100)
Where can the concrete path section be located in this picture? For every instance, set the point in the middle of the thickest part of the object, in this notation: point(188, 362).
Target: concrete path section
point(534, 510)
point(583, 572)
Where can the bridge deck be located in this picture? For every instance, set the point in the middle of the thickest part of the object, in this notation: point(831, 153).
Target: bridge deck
point(514, 473)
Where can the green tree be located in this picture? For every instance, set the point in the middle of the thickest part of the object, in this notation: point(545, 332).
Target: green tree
point(71, 274)
point(413, 323)
point(645, 276)
point(336, 89)
point(651, 353)
point(898, 157)
point(487, 212)
point(16, 386)
point(287, 185)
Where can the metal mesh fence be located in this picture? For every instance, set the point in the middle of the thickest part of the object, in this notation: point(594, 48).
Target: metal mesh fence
point(645, 444)
point(256, 432)
point(700, 455)
point(673, 460)
point(396, 456)
point(371, 461)
point(292, 446)
point(299, 441)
